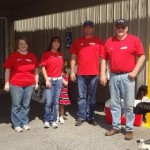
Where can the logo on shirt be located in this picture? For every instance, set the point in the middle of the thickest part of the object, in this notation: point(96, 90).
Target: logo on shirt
point(81, 44)
point(92, 43)
point(19, 59)
point(59, 56)
point(29, 60)
point(124, 47)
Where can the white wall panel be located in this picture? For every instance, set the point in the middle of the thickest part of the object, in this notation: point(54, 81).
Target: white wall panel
point(117, 10)
point(110, 20)
point(126, 10)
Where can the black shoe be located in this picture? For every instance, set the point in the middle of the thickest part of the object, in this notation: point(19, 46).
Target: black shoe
point(79, 122)
point(92, 122)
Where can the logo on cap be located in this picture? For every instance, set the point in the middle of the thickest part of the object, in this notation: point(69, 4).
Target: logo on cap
point(121, 22)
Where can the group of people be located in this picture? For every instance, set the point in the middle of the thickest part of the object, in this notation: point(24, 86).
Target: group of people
point(91, 55)
point(22, 77)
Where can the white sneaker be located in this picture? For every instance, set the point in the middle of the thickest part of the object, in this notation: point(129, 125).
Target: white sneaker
point(57, 119)
point(18, 129)
point(54, 125)
point(26, 127)
point(61, 119)
point(46, 125)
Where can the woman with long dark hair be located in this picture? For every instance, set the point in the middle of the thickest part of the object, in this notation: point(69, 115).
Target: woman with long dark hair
point(52, 63)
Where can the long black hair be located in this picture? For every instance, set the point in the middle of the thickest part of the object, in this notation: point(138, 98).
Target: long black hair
point(51, 42)
point(142, 91)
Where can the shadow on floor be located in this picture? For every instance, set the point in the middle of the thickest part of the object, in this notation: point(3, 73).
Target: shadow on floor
point(37, 110)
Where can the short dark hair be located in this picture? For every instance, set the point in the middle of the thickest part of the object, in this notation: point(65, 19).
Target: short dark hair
point(52, 40)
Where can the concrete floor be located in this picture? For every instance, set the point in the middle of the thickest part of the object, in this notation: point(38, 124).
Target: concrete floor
point(67, 136)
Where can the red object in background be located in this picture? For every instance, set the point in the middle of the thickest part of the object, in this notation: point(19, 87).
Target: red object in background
point(108, 117)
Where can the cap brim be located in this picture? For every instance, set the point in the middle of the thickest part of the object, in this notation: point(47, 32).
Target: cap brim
point(122, 24)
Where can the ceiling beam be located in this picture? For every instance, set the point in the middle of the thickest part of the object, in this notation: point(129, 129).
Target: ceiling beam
point(49, 7)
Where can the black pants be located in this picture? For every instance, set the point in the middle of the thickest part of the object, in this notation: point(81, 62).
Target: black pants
point(142, 108)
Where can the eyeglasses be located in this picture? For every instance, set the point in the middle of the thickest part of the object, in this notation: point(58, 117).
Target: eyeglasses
point(120, 27)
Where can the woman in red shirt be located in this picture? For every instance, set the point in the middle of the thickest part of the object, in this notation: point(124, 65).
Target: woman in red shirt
point(52, 63)
point(21, 76)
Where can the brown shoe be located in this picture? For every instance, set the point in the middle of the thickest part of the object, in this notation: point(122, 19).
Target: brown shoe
point(112, 132)
point(128, 135)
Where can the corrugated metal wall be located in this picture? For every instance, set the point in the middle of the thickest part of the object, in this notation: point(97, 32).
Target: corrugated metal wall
point(41, 29)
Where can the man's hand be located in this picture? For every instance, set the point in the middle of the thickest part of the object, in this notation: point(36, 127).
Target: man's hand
point(73, 76)
point(36, 86)
point(132, 75)
point(103, 80)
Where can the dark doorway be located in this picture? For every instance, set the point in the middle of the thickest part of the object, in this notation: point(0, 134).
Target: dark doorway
point(3, 41)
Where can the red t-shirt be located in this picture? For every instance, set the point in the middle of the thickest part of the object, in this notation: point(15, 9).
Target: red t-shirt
point(21, 68)
point(122, 53)
point(88, 52)
point(53, 63)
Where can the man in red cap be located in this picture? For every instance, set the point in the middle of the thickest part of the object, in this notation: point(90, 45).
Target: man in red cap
point(121, 51)
point(86, 52)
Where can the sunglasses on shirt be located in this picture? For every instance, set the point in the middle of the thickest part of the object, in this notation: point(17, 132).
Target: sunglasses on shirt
point(120, 27)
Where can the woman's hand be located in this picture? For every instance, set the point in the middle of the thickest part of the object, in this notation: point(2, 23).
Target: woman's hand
point(48, 83)
point(6, 87)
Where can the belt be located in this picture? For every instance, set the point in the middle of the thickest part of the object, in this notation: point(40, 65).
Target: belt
point(54, 79)
point(118, 73)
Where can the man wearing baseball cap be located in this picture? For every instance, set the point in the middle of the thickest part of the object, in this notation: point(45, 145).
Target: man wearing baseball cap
point(86, 52)
point(121, 22)
point(122, 50)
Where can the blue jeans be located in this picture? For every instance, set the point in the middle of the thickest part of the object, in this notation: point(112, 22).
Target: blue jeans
point(121, 87)
point(52, 100)
point(87, 86)
point(21, 97)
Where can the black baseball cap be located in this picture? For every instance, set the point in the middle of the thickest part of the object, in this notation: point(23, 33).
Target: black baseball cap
point(88, 23)
point(121, 22)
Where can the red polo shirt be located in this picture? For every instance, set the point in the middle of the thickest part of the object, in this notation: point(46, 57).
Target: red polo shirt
point(88, 52)
point(53, 63)
point(122, 53)
point(21, 68)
